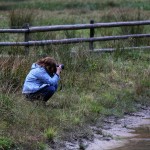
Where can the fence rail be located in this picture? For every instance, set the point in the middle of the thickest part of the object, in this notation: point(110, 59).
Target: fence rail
point(72, 40)
point(27, 30)
point(75, 27)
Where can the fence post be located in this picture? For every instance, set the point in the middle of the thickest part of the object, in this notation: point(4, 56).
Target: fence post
point(91, 44)
point(26, 37)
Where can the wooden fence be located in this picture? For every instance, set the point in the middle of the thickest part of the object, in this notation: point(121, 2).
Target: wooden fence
point(27, 30)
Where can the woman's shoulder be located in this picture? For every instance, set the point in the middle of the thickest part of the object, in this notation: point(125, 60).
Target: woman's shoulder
point(37, 68)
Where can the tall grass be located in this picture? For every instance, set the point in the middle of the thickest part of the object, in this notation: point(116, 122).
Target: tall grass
point(93, 86)
point(18, 18)
point(79, 4)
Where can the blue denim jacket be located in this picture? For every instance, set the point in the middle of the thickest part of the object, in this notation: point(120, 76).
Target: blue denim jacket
point(38, 78)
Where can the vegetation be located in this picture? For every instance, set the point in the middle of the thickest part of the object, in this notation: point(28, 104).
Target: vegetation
point(5, 143)
point(94, 85)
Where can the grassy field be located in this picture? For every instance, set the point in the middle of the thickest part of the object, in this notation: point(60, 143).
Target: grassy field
point(94, 85)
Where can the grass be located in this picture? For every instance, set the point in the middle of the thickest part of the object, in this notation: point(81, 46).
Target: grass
point(94, 85)
point(79, 4)
point(107, 86)
point(50, 133)
point(5, 143)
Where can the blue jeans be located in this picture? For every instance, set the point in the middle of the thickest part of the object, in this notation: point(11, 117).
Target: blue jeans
point(43, 94)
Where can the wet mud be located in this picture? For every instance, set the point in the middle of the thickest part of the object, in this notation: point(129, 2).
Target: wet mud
point(141, 140)
point(131, 132)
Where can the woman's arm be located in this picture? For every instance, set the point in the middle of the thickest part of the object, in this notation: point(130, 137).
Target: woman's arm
point(42, 75)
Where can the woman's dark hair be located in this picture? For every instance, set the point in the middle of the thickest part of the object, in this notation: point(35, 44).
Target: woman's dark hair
point(49, 63)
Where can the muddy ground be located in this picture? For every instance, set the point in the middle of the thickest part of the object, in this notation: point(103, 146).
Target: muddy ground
point(108, 134)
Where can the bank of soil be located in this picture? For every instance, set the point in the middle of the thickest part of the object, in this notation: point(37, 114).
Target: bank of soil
point(112, 132)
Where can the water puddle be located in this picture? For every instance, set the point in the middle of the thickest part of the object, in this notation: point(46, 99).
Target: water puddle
point(140, 142)
point(132, 132)
point(129, 133)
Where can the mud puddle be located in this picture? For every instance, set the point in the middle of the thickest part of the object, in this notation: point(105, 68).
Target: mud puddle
point(132, 132)
point(140, 142)
point(129, 133)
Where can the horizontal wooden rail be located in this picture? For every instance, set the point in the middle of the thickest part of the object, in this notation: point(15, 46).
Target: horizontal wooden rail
point(74, 27)
point(87, 26)
point(124, 48)
point(73, 40)
point(14, 30)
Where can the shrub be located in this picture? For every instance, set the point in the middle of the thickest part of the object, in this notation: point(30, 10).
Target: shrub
point(19, 17)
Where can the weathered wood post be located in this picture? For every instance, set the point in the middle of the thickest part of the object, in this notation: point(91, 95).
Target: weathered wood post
point(26, 37)
point(91, 44)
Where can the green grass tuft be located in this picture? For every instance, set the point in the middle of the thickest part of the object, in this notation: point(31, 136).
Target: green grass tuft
point(5, 143)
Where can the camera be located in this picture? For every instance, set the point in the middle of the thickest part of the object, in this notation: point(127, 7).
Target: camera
point(61, 65)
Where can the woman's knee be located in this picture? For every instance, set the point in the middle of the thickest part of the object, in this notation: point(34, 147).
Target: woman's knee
point(52, 89)
point(49, 92)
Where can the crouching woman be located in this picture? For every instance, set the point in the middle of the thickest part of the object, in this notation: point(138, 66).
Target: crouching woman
point(42, 80)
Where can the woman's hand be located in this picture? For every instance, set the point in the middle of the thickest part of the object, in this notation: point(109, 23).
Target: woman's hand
point(58, 70)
